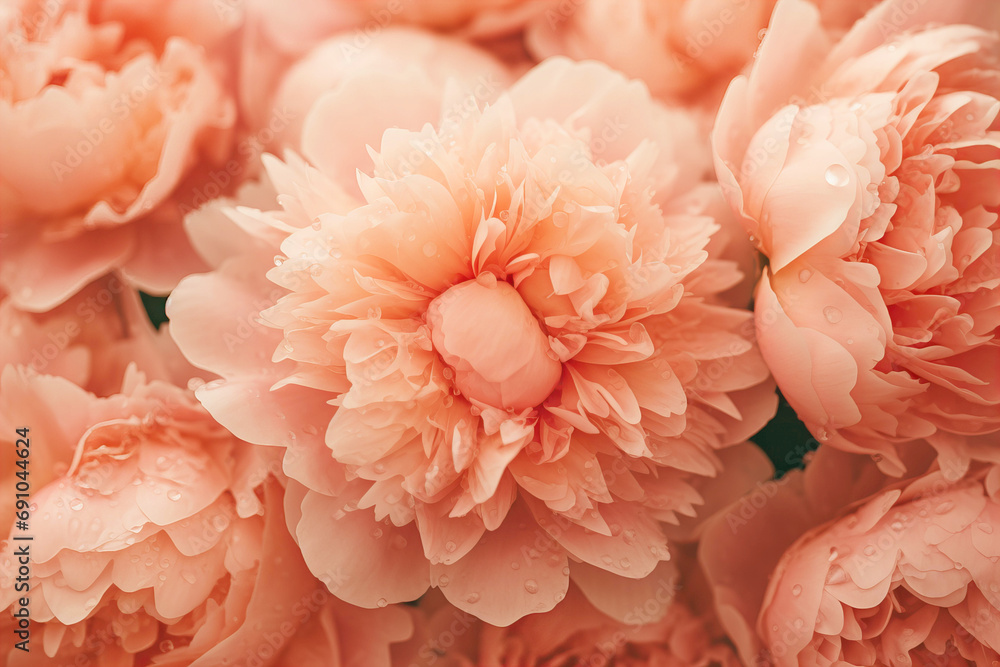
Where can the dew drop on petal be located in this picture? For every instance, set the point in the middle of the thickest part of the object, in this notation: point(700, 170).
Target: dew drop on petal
point(837, 175)
point(174, 494)
point(472, 598)
point(832, 314)
point(531, 586)
point(76, 504)
point(430, 249)
point(804, 275)
point(796, 590)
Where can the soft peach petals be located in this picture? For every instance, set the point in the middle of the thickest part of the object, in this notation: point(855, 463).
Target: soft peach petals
point(100, 129)
point(575, 633)
point(91, 339)
point(158, 537)
point(867, 170)
point(506, 358)
point(908, 576)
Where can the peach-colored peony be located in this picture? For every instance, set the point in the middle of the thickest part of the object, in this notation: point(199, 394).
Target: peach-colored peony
point(91, 339)
point(277, 34)
point(867, 170)
point(686, 48)
point(159, 538)
point(503, 364)
point(575, 633)
point(907, 576)
point(102, 135)
point(399, 78)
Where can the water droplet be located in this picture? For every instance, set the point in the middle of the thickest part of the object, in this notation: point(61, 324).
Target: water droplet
point(166, 646)
point(174, 494)
point(796, 590)
point(560, 219)
point(869, 550)
point(376, 532)
point(504, 216)
point(986, 528)
point(837, 175)
point(430, 249)
point(450, 546)
point(76, 504)
point(805, 274)
point(189, 577)
point(624, 564)
point(531, 586)
point(944, 507)
point(443, 581)
point(473, 598)
point(832, 314)
point(381, 602)
point(279, 260)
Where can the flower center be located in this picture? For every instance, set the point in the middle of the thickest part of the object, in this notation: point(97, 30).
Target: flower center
point(496, 347)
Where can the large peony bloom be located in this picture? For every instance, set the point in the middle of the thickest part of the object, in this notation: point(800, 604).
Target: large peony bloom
point(103, 133)
point(399, 78)
point(687, 48)
point(278, 34)
point(867, 170)
point(573, 634)
point(160, 539)
point(502, 365)
point(906, 577)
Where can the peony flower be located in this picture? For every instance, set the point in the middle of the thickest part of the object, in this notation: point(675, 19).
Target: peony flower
point(689, 49)
point(575, 633)
point(503, 364)
point(866, 169)
point(159, 538)
point(906, 576)
point(685, 49)
point(276, 35)
point(101, 130)
point(91, 339)
point(411, 66)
